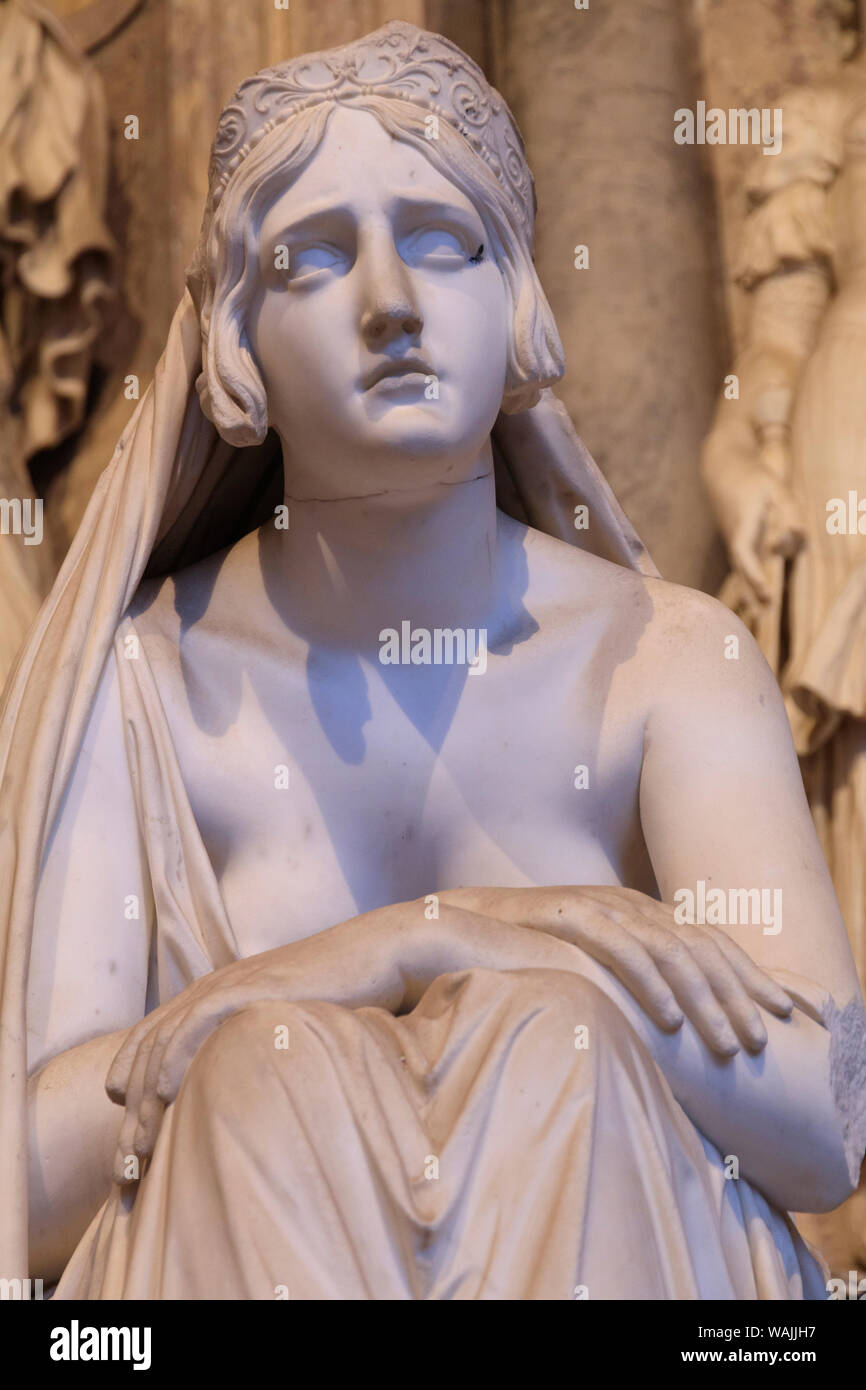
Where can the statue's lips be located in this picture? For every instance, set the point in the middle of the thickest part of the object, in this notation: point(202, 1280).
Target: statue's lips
point(410, 371)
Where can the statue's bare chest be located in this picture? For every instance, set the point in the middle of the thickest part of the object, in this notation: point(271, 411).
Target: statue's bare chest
point(326, 787)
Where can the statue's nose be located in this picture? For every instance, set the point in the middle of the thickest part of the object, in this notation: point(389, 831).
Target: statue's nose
point(390, 307)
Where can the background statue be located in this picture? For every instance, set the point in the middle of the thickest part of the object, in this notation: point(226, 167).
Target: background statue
point(390, 964)
point(55, 266)
point(785, 465)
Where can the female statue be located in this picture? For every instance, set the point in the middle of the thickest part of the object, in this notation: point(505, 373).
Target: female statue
point(386, 962)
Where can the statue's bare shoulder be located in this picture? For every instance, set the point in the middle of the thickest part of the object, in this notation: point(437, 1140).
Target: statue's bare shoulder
point(219, 597)
point(664, 638)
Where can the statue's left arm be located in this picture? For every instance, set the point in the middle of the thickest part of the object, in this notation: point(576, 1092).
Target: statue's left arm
point(730, 836)
point(747, 905)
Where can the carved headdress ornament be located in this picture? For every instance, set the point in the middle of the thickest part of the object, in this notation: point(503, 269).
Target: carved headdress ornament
point(397, 61)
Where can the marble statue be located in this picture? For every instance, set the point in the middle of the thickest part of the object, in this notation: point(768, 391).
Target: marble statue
point(405, 892)
point(785, 464)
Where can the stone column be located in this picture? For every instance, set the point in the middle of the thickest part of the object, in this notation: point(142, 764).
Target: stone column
point(594, 92)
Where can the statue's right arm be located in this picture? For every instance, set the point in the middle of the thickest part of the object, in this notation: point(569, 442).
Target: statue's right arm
point(87, 984)
point(73, 1129)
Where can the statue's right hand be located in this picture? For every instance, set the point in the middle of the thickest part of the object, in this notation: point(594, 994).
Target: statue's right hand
point(366, 960)
point(385, 958)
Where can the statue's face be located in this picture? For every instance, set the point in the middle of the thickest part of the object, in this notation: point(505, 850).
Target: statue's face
point(385, 273)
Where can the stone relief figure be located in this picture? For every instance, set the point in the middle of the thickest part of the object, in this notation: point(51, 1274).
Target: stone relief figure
point(785, 464)
point(56, 255)
point(784, 458)
point(360, 778)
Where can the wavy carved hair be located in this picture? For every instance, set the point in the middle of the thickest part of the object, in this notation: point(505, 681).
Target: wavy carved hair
point(223, 275)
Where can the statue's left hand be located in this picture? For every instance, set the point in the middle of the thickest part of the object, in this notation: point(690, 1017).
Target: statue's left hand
point(673, 970)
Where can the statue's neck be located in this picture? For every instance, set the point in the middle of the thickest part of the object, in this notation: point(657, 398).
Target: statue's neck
point(349, 567)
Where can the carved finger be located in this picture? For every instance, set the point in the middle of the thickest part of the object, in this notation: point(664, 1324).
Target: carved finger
point(151, 1107)
point(194, 1029)
point(695, 996)
point(729, 990)
point(759, 984)
point(627, 958)
point(126, 1167)
point(117, 1080)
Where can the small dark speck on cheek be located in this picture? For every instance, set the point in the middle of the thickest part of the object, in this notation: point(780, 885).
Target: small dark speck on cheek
point(112, 967)
point(761, 699)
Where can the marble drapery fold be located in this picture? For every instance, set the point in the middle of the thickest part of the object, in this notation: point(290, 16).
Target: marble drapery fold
point(457, 1152)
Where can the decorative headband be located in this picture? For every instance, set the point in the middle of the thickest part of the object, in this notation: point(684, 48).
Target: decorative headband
point(398, 61)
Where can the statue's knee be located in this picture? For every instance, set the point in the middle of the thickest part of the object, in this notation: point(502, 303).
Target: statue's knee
point(250, 1050)
point(569, 1010)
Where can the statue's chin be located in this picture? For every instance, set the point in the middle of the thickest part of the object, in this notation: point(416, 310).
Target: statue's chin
point(414, 430)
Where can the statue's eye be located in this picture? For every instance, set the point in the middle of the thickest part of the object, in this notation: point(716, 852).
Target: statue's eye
point(305, 261)
point(439, 246)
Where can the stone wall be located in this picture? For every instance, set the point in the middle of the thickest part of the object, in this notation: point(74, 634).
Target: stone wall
point(594, 92)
